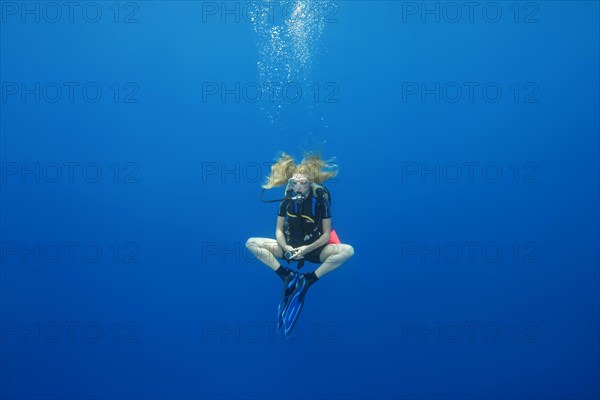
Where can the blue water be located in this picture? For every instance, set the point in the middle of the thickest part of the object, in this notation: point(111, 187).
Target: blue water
point(468, 148)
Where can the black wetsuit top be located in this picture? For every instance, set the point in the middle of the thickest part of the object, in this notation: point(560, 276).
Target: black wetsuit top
point(304, 222)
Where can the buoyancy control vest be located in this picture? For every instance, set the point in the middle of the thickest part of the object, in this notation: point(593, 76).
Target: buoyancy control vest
point(303, 220)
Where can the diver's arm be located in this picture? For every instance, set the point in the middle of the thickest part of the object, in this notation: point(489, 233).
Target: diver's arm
point(323, 239)
point(279, 234)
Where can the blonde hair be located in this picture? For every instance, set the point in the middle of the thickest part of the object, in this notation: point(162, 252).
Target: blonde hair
point(315, 169)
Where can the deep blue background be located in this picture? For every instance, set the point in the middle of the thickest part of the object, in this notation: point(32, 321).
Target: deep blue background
point(191, 311)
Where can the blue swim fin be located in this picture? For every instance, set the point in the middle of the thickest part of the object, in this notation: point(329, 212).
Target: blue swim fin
point(289, 284)
point(295, 304)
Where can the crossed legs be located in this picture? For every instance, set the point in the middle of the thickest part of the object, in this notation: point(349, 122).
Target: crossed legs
point(268, 251)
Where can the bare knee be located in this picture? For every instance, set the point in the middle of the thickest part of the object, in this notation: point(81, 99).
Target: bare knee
point(255, 243)
point(252, 243)
point(338, 252)
point(347, 251)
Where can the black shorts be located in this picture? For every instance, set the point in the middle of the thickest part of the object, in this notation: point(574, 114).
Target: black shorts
point(314, 256)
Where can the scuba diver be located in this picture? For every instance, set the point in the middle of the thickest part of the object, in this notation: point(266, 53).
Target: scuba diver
point(303, 232)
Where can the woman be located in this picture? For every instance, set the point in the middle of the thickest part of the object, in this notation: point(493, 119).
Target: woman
point(303, 231)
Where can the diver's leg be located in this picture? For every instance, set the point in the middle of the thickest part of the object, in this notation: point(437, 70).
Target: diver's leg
point(333, 256)
point(266, 250)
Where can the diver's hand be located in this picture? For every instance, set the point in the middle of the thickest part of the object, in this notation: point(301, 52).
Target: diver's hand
point(288, 252)
point(299, 252)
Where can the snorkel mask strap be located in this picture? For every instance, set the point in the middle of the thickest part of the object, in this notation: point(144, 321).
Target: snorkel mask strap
point(290, 194)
